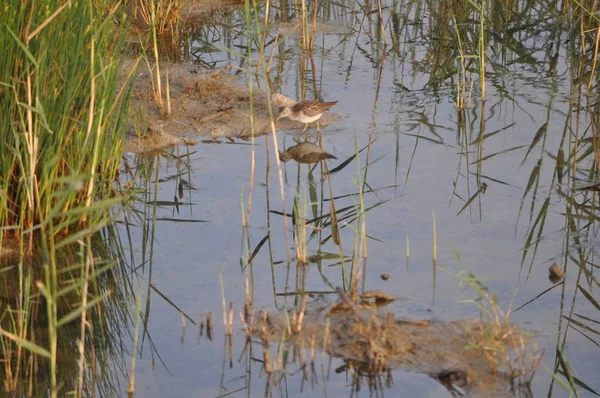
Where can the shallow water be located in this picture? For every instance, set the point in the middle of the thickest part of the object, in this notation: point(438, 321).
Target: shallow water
point(421, 171)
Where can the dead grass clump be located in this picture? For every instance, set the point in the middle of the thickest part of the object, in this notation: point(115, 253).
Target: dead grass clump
point(473, 355)
point(507, 350)
point(204, 87)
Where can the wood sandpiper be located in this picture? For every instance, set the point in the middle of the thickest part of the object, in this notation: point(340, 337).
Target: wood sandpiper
point(306, 152)
point(305, 111)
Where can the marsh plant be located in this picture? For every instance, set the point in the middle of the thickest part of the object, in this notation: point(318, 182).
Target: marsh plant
point(63, 106)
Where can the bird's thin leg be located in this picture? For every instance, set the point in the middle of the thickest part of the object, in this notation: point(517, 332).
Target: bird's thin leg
point(318, 129)
point(319, 139)
point(305, 132)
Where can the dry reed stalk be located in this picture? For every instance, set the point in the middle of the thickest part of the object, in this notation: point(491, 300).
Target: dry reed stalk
point(267, 361)
point(166, 11)
point(304, 25)
point(313, 31)
point(354, 288)
point(245, 326)
point(595, 59)
point(247, 300)
point(482, 50)
point(281, 188)
point(326, 336)
point(9, 379)
point(131, 385)
point(168, 93)
point(363, 222)
point(264, 333)
point(32, 143)
point(300, 237)
point(157, 82)
point(302, 311)
point(294, 322)
point(263, 41)
point(89, 259)
point(380, 16)
point(268, 66)
point(230, 320)
point(246, 221)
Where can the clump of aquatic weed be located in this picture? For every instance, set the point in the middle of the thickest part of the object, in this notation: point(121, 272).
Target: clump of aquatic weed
point(508, 349)
point(489, 355)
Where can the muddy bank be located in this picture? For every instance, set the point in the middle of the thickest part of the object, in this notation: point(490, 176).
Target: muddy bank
point(214, 105)
point(195, 103)
point(474, 357)
point(193, 8)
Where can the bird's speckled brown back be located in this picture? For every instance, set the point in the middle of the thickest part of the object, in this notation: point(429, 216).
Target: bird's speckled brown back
point(312, 108)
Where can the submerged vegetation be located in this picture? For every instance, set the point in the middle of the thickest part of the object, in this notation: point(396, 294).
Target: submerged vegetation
point(69, 301)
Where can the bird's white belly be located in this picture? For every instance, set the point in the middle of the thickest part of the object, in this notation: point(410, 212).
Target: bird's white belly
point(304, 118)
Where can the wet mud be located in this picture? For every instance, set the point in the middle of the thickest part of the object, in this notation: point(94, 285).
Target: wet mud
point(471, 357)
point(215, 105)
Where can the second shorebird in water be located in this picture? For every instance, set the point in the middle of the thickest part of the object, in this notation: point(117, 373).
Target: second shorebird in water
point(305, 111)
point(306, 152)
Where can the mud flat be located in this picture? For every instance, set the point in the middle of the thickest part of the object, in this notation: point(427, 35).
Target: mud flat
point(204, 106)
point(475, 357)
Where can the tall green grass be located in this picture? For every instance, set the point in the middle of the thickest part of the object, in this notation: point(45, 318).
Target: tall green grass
point(60, 110)
point(63, 108)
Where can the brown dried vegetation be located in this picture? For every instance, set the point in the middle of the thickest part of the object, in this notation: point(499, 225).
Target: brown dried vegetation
point(479, 357)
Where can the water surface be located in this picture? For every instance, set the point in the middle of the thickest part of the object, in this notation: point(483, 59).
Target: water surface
point(427, 161)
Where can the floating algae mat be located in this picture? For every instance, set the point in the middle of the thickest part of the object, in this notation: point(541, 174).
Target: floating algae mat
point(474, 357)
